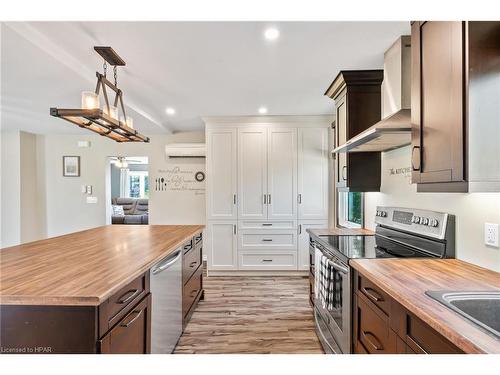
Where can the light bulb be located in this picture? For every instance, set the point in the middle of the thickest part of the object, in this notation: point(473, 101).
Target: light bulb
point(90, 100)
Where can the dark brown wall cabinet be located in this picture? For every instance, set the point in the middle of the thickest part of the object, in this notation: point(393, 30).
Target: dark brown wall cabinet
point(455, 106)
point(383, 326)
point(357, 96)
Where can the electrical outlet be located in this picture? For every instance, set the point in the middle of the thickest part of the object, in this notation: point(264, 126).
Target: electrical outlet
point(491, 234)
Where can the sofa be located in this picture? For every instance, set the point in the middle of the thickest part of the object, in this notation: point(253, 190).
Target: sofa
point(135, 211)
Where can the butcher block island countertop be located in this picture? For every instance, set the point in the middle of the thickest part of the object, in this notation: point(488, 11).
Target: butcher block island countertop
point(85, 268)
point(407, 280)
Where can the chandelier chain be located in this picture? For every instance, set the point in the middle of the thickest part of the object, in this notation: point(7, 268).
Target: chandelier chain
point(115, 74)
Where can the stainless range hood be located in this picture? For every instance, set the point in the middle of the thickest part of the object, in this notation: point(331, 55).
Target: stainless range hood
point(388, 134)
point(394, 130)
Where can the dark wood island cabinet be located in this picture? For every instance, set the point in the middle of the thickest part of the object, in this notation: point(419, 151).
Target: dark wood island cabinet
point(89, 292)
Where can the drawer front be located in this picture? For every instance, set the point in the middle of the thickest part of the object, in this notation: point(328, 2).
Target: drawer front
point(266, 239)
point(372, 330)
point(190, 263)
point(191, 291)
point(188, 246)
point(132, 333)
point(198, 240)
point(266, 260)
point(421, 338)
point(374, 294)
point(120, 303)
point(284, 224)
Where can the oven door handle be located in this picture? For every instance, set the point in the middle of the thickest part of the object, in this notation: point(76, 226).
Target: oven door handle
point(339, 267)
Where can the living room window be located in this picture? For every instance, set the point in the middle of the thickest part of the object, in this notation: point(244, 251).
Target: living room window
point(138, 184)
point(350, 209)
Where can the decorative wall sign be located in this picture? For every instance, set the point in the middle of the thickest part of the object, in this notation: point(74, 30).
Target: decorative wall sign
point(403, 172)
point(71, 166)
point(183, 178)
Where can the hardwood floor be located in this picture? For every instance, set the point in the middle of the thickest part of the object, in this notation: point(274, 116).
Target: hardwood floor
point(252, 315)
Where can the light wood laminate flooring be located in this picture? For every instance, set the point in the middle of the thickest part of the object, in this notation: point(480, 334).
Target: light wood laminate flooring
point(252, 315)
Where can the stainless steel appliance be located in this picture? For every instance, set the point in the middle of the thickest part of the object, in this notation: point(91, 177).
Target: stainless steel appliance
point(399, 232)
point(166, 314)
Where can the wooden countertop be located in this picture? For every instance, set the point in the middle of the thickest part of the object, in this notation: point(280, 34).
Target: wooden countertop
point(341, 232)
point(406, 280)
point(85, 268)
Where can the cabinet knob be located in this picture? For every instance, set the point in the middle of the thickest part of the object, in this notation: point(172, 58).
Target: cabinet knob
point(413, 167)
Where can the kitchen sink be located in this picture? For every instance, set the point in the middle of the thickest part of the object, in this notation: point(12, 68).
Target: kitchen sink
point(481, 308)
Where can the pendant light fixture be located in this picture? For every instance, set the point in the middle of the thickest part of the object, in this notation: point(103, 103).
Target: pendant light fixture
point(105, 121)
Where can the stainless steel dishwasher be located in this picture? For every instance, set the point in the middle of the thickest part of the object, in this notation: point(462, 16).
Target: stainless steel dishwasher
point(166, 315)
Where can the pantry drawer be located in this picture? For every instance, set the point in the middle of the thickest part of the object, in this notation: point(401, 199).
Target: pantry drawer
point(251, 224)
point(280, 260)
point(266, 239)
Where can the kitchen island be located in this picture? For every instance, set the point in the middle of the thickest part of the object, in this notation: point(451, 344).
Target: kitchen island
point(88, 292)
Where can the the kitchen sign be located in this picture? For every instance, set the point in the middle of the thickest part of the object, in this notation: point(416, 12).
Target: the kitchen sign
point(180, 178)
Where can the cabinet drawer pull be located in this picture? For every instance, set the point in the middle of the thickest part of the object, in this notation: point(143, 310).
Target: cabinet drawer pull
point(375, 344)
point(130, 322)
point(188, 247)
point(267, 240)
point(234, 198)
point(265, 198)
point(300, 228)
point(130, 293)
point(412, 163)
point(300, 198)
point(267, 260)
point(269, 199)
point(192, 264)
point(372, 294)
point(193, 293)
point(267, 224)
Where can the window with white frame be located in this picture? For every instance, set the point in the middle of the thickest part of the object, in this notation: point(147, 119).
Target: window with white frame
point(136, 184)
point(350, 209)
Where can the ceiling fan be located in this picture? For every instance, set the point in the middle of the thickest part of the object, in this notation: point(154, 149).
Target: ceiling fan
point(122, 161)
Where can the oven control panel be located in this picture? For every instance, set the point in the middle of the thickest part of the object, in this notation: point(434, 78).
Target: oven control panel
point(423, 222)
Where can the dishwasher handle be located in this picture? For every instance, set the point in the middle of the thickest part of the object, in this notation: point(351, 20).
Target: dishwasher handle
point(167, 263)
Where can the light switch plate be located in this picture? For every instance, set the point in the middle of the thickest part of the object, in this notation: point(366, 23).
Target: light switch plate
point(491, 234)
point(91, 199)
point(89, 190)
point(83, 189)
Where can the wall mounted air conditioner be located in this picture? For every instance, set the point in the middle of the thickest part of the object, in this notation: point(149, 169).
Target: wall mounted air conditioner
point(185, 150)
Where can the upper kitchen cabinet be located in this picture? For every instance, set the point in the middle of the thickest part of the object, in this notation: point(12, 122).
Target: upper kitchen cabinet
point(357, 96)
point(221, 174)
point(455, 103)
point(313, 173)
point(267, 173)
point(252, 173)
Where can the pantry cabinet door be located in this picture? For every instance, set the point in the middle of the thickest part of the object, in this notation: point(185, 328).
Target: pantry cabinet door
point(282, 173)
point(221, 174)
point(252, 173)
point(313, 174)
point(221, 245)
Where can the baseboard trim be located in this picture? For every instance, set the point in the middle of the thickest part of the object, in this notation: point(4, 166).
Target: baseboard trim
point(257, 273)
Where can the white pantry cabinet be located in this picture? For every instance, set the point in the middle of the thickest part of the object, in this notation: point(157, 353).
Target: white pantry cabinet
point(303, 240)
point(221, 174)
point(313, 174)
point(221, 246)
point(265, 175)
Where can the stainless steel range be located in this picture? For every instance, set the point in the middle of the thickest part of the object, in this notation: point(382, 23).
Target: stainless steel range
point(399, 232)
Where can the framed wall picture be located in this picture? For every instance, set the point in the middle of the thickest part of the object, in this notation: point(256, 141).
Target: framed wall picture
point(71, 166)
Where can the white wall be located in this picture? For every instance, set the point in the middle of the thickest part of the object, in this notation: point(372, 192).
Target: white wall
point(11, 186)
point(471, 210)
point(67, 210)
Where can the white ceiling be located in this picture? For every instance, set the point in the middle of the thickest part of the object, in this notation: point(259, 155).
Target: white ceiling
point(198, 68)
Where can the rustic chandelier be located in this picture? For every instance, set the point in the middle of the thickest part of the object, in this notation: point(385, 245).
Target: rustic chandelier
point(105, 121)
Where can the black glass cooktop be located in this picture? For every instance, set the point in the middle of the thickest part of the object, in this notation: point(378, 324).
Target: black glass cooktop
point(353, 247)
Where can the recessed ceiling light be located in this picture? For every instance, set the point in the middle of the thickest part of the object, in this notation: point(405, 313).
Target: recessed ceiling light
point(271, 33)
point(262, 110)
point(170, 111)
